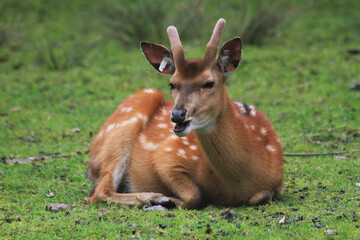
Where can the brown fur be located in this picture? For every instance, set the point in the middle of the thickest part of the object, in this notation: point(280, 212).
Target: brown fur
point(236, 159)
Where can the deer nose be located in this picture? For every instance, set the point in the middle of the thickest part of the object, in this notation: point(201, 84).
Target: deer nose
point(178, 115)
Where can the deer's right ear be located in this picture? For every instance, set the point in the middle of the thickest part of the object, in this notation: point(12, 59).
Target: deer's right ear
point(159, 57)
point(230, 55)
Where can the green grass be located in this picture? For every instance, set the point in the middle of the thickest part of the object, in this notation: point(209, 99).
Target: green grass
point(299, 77)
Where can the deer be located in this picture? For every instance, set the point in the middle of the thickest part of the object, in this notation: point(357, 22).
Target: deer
point(197, 149)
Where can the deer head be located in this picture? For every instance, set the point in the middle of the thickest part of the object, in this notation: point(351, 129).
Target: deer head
point(197, 85)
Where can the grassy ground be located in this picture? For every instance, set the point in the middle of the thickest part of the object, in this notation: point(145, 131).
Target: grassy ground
point(51, 84)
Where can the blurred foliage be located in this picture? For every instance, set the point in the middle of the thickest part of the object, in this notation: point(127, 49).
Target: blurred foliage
point(60, 55)
point(139, 20)
point(67, 34)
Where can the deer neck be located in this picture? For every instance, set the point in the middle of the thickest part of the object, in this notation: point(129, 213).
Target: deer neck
point(226, 146)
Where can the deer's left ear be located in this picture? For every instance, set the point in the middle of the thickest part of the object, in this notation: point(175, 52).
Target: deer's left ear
point(159, 57)
point(230, 55)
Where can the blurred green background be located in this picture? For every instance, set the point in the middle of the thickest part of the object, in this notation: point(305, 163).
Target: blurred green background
point(77, 31)
point(66, 65)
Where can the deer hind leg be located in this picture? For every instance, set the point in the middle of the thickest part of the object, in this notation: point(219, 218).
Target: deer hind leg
point(261, 197)
point(111, 179)
point(145, 198)
point(104, 190)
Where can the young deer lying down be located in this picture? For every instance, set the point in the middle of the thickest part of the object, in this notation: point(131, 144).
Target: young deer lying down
point(200, 148)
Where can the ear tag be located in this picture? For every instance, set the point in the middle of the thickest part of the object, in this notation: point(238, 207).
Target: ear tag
point(163, 63)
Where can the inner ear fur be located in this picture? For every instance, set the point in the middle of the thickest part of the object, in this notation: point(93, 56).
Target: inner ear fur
point(230, 55)
point(159, 57)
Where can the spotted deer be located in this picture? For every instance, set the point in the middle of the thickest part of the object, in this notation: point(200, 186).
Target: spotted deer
point(200, 148)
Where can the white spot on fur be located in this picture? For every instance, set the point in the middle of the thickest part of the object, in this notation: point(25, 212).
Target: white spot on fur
point(147, 145)
point(252, 111)
point(168, 149)
point(162, 125)
point(186, 142)
point(241, 107)
point(246, 126)
point(100, 134)
point(126, 109)
point(238, 104)
point(149, 90)
point(159, 118)
point(126, 122)
point(252, 127)
point(258, 138)
point(162, 135)
point(163, 111)
point(270, 148)
point(263, 131)
point(195, 158)
point(111, 126)
point(181, 153)
point(193, 147)
point(142, 117)
point(173, 137)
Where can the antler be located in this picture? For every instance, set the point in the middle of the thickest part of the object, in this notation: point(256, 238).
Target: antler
point(176, 47)
point(212, 46)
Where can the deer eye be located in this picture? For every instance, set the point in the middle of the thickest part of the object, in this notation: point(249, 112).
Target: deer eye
point(171, 86)
point(208, 85)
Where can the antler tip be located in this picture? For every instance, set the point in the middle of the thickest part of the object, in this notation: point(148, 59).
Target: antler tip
point(171, 29)
point(176, 46)
point(222, 21)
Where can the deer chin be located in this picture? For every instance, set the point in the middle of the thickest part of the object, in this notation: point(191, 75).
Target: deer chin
point(203, 127)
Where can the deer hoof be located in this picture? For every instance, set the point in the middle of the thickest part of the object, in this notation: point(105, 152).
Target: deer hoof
point(168, 202)
point(261, 198)
point(159, 199)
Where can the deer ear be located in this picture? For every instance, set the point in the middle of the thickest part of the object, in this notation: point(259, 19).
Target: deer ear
point(159, 57)
point(230, 55)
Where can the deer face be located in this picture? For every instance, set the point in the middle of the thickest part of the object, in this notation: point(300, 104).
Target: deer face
point(196, 93)
point(197, 85)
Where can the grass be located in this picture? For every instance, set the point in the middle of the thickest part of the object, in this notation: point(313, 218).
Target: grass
point(299, 77)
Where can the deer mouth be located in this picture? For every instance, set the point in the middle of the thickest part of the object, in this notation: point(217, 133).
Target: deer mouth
point(179, 127)
point(182, 129)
